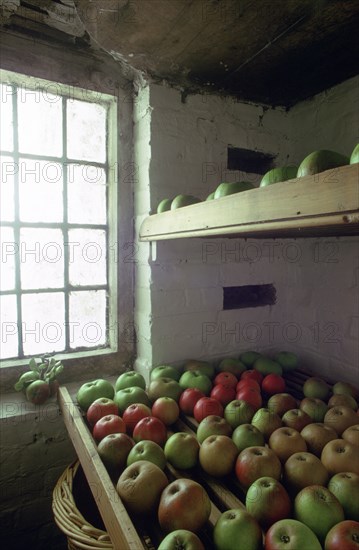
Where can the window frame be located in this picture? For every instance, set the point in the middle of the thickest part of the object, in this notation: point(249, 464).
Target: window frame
point(78, 93)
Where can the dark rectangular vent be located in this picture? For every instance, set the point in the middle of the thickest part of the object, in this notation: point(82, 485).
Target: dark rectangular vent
point(246, 160)
point(239, 297)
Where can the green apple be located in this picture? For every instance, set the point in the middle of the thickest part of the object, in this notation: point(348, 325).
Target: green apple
point(233, 365)
point(147, 450)
point(291, 534)
point(217, 455)
point(181, 450)
point(354, 157)
point(164, 387)
point(268, 501)
point(130, 379)
point(200, 366)
point(246, 435)
point(344, 388)
point(224, 189)
point(319, 161)
point(238, 412)
point(345, 486)
point(316, 387)
point(90, 391)
point(164, 205)
point(314, 407)
point(165, 371)
point(128, 396)
point(181, 539)
point(195, 379)
point(213, 425)
point(287, 360)
point(276, 175)
point(266, 421)
point(248, 358)
point(183, 200)
point(265, 366)
point(319, 509)
point(236, 529)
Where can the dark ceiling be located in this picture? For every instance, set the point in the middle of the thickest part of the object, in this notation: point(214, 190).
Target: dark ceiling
point(273, 52)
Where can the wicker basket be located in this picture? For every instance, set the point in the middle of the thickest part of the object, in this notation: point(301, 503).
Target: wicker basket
point(80, 533)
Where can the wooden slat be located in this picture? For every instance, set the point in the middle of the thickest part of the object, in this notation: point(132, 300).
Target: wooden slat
point(325, 202)
point(118, 524)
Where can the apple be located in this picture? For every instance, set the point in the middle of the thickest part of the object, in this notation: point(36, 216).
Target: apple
point(266, 422)
point(236, 529)
point(194, 379)
point(90, 391)
point(238, 412)
point(265, 366)
point(317, 435)
point(340, 418)
point(246, 435)
point(285, 442)
point(140, 487)
point(181, 450)
point(351, 434)
point(344, 388)
point(245, 383)
point(267, 501)
point(217, 455)
point(181, 539)
point(303, 469)
point(150, 428)
point(99, 408)
point(296, 418)
point(188, 399)
point(316, 387)
point(314, 407)
point(184, 504)
point(207, 406)
point(203, 367)
point(133, 414)
point(288, 360)
point(166, 409)
point(114, 450)
point(343, 399)
point(291, 534)
point(212, 425)
point(223, 394)
point(343, 536)
point(249, 358)
point(165, 371)
point(232, 365)
point(130, 379)
point(164, 387)
point(251, 396)
point(252, 374)
point(340, 456)
point(37, 392)
point(128, 396)
point(281, 403)
point(272, 384)
point(147, 450)
point(319, 509)
point(109, 424)
point(345, 486)
point(255, 462)
point(227, 379)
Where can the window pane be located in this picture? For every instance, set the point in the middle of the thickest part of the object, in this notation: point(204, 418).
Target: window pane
point(9, 329)
point(41, 258)
point(41, 187)
point(86, 131)
point(86, 194)
point(39, 122)
point(8, 169)
point(88, 319)
point(6, 126)
point(9, 249)
point(43, 323)
point(87, 249)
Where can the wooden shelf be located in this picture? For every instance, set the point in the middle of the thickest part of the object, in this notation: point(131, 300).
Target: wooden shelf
point(325, 204)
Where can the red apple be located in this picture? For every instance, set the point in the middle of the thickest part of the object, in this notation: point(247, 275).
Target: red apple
point(166, 409)
point(255, 462)
point(109, 424)
point(217, 455)
point(340, 456)
point(226, 378)
point(317, 435)
point(188, 399)
point(281, 403)
point(291, 534)
point(303, 469)
point(296, 418)
point(213, 425)
point(272, 384)
point(343, 536)
point(252, 374)
point(223, 394)
point(99, 408)
point(38, 392)
point(133, 414)
point(285, 442)
point(114, 450)
point(207, 406)
point(248, 383)
point(340, 418)
point(150, 428)
point(268, 501)
point(251, 396)
point(184, 504)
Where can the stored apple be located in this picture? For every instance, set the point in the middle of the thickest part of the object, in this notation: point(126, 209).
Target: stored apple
point(255, 462)
point(133, 414)
point(166, 409)
point(181, 539)
point(140, 487)
point(281, 403)
point(343, 536)
point(213, 425)
point(314, 407)
point(268, 501)
point(303, 469)
point(288, 360)
point(38, 392)
point(296, 418)
point(147, 450)
point(265, 366)
point(340, 456)
point(164, 387)
point(114, 450)
point(340, 418)
point(251, 396)
point(272, 384)
point(343, 399)
point(109, 424)
point(217, 455)
point(266, 421)
point(345, 486)
point(238, 412)
point(90, 391)
point(247, 435)
point(128, 396)
point(203, 367)
point(316, 387)
point(291, 534)
point(227, 379)
point(223, 394)
point(232, 365)
point(150, 428)
point(184, 504)
point(99, 408)
point(344, 388)
point(236, 529)
point(188, 399)
point(317, 435)
point(253, 375)
point(194, 379)
point(249, 358)
point(165, 371)
point(245, 383)
point(285, 442)
point(130, 379)
point(351, 434)
point(207, 406)
point(181, 450)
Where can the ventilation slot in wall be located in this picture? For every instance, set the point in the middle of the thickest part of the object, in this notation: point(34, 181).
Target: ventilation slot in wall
point(239, 297)
point(245, 160)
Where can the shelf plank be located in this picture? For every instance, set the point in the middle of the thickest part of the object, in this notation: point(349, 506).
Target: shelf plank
point(326, 203)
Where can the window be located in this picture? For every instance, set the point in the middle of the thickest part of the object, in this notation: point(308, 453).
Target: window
point(58, 219)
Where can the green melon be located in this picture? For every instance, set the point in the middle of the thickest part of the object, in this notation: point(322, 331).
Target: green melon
point(319, 161)
point(225, 189)
point(183, 200)
point(276, 175)
point(354, 157)
point(164, 205)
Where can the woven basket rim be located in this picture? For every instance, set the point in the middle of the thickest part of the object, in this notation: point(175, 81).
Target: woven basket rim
point(81, 534)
